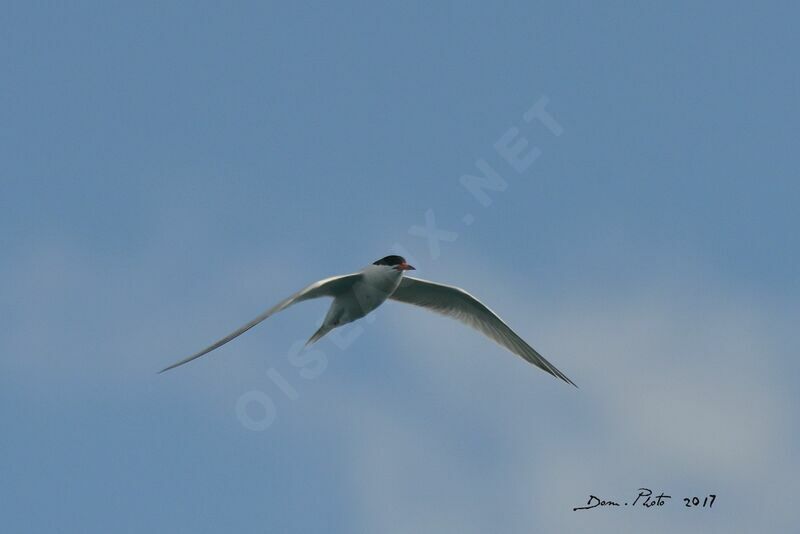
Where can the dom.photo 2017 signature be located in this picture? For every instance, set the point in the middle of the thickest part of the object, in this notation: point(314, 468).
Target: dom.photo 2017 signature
point(646, 499)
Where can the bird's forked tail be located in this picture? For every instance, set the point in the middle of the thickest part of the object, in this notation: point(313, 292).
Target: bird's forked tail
point(324, 329)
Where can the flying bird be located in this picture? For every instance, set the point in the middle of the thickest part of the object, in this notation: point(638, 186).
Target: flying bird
point(355, 295)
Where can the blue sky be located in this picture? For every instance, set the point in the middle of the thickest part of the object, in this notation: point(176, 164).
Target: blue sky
point(169, 171)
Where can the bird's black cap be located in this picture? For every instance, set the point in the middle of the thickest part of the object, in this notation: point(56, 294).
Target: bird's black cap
point(390, 260)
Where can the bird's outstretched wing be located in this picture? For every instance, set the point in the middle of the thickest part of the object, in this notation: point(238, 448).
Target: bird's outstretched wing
point(458, 304)
point(329, 287)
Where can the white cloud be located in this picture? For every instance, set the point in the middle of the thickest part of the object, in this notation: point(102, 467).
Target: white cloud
point(679, 392)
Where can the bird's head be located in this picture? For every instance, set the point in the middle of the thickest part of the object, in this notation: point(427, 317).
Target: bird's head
point(398, 263)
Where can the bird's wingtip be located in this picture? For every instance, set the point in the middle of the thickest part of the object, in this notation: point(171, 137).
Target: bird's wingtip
point(563, 377)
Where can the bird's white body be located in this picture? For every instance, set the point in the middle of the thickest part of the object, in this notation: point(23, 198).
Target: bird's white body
point(355, 295)
point(376, 284)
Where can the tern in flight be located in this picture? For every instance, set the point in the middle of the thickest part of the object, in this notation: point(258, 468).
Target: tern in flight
point(355, 295)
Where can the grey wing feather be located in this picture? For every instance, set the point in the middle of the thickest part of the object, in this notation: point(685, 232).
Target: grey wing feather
point(329, 287)
point(458, 304)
